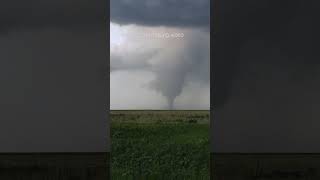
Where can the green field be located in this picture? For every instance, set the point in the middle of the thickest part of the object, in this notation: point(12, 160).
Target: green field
point(160, 145)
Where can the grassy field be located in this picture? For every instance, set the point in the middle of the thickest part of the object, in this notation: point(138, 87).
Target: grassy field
point(160, 145)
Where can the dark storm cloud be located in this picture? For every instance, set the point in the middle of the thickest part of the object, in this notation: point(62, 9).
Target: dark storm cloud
point(182, 13)
point(176, 65)
point(53, 13)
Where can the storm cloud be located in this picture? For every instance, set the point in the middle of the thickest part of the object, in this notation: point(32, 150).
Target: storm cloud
point(180, 13)
point(179, 65)
point(119, 61)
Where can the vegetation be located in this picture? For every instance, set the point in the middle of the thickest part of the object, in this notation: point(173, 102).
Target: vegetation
point(160, 145)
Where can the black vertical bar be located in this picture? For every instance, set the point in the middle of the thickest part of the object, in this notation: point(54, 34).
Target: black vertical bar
point(213, 26)
point(107, 22)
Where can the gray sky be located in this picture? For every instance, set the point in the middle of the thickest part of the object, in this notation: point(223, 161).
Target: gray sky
point(160, 57)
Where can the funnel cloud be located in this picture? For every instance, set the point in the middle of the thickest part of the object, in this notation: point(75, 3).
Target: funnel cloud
point(174, 52)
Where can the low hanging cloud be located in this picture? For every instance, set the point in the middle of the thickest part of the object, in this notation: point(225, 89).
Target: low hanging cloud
point(120, 61)
point(178, 13)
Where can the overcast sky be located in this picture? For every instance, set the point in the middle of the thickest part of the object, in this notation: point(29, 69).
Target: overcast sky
point(160, 56)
